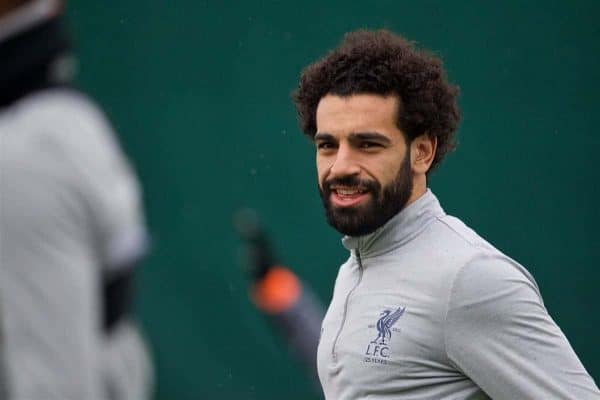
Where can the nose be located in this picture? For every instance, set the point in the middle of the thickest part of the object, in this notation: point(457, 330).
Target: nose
point(344, 164)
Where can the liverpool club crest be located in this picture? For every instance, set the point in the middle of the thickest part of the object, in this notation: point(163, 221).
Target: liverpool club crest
point(378, 349)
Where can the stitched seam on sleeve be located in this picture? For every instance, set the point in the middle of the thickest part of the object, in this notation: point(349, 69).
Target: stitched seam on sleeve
point(449, 299)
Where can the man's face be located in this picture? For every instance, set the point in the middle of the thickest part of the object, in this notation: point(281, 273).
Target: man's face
point(363, 165)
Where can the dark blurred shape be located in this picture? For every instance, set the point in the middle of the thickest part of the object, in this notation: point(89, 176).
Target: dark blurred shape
point(117, 293)
point(72, 227)
point(30, 58)
point(290, 305)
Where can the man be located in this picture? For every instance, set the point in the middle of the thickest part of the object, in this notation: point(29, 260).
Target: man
point(424, 308)
point(71, 226)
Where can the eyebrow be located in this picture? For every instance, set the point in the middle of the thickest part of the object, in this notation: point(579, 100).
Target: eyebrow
point(323, 136)
point(358, 136)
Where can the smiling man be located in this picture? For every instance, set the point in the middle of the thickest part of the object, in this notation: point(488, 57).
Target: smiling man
point(423, 308)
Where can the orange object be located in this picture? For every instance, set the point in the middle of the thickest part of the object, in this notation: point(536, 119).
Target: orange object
point(277, 291)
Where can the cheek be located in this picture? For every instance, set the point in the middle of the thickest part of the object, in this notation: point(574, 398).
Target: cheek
point(389, 175)
point(322, 169)
point(386, 171)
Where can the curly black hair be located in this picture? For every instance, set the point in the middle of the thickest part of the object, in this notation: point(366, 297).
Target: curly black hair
point(381, 62)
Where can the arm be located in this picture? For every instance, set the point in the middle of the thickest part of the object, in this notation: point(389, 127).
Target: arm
point(499, 334)
point(279, 293)
point(116, 221)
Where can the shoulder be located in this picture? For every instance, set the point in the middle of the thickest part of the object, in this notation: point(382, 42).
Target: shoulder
point(63, 119)
point(471, 265)
point(453, 230)
point(71, 125)
point(58, 130)
point(491, 290)
point(453, 239)
point(55, 103)
point(482, 260)
point(449, 245)
point(496, 274)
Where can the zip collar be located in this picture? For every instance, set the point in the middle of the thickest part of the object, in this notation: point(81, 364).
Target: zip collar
point(404, 226)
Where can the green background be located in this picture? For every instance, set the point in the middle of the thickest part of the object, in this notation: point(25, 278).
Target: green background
point(199, 93)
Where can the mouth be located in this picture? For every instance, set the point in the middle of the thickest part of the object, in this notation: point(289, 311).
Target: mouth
point(348, 196)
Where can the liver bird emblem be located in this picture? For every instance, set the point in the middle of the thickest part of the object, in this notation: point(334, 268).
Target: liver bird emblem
point(385, 324)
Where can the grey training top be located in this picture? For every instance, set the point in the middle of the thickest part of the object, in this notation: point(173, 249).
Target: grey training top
point(426, 309)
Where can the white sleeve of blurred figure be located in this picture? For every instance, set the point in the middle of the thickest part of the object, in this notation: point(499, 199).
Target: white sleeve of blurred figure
point(113, 193)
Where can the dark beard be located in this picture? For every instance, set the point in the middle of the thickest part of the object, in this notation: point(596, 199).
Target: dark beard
point(365, 219)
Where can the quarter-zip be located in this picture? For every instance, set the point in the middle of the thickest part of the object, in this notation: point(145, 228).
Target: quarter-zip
point(339, 332)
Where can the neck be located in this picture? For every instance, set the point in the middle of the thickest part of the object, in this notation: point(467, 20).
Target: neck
point(419, 189)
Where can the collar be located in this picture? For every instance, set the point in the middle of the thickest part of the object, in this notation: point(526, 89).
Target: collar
point(400, 229)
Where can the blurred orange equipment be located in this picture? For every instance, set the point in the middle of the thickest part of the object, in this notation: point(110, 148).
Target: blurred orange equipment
point(277, 291)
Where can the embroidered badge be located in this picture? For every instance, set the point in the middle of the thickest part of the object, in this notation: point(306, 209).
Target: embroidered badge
point(378, 349)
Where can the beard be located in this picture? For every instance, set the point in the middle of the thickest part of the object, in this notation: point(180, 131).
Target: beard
point(383, 205)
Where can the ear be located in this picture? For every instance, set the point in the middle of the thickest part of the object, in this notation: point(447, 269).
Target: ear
point(422, 150)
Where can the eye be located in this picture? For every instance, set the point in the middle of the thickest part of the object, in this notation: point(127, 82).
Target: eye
point(325, 145)
point(369, 145)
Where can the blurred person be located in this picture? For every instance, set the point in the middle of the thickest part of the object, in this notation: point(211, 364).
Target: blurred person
point(292, 307)
point(71, 226)
point(423, 308)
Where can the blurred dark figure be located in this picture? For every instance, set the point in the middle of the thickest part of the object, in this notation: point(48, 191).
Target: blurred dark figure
point(290, 305)
point(71, 226)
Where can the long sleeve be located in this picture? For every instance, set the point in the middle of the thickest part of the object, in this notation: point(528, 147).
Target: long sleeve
point(500, 335)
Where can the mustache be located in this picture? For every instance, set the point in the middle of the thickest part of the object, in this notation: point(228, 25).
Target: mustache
point(369, 185)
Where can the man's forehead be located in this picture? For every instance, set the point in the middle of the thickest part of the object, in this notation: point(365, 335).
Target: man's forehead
point(360, 101)
point(356, 113)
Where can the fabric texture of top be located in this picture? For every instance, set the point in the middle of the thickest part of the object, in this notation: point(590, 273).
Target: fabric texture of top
point(424, 308)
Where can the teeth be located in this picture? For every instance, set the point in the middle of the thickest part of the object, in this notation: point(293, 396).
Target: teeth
point(347, 192)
